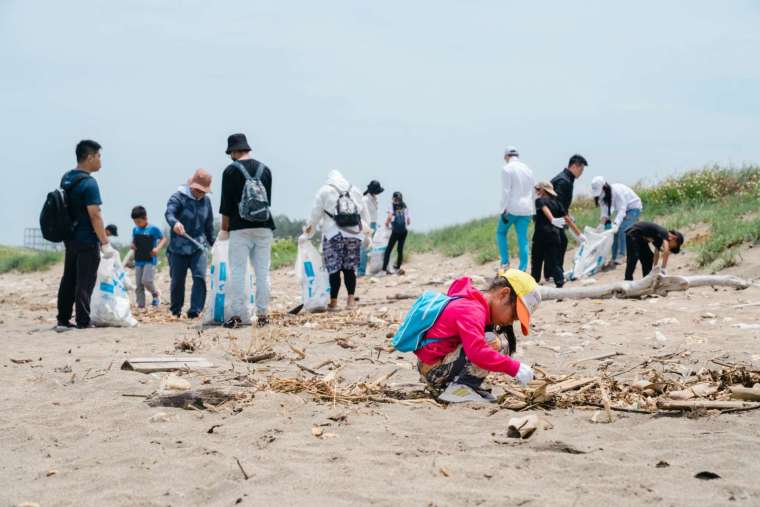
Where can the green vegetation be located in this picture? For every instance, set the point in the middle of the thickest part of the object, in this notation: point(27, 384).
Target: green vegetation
point(26, 260)
point(726, 201)
point(284, 252)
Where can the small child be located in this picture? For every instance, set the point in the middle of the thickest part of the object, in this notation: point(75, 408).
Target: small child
point(459, 350)
point(147, 241)
point(550, 218)
point(112, 231)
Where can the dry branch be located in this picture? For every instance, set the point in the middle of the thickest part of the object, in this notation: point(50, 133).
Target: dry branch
point(705, 404)
point(203, 397)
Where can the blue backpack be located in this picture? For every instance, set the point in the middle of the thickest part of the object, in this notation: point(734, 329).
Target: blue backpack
point(421, 317)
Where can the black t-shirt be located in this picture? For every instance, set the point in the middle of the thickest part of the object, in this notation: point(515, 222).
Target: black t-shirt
point(563, 184)
point(233, 182)
point(653, 233)
point(543, 225)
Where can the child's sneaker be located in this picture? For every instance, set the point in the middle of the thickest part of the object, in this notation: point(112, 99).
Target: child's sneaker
point(155, 301)
point(460, 393)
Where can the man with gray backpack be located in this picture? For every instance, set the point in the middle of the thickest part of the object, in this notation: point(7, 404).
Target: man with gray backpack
point(247, 223)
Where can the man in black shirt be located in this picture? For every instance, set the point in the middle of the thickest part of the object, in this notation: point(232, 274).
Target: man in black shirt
point(249, 181)
point(639, 236)
point(563, 185)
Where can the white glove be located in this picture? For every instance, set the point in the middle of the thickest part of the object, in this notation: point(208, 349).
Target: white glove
point(663, 272)
point(583, 238)
point(524, 374)
point(615, 228)
point(558, 222)
point(223, 236)
point(108, 251)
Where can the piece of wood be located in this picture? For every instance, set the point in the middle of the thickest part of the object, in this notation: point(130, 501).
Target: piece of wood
point(256, 358)
point(568, 385)
point(598, 358)
point(605, 401)
point(240, 466)
point(522, 427)
point(706, 404)
point(165, 363)
point(740, 392)
point(654, 283)
point(203, 397)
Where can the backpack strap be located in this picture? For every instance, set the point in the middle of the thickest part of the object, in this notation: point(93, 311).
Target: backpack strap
point(259, 171)
point(242, 169)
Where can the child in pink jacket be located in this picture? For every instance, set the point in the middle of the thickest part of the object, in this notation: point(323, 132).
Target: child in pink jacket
point(466, 350)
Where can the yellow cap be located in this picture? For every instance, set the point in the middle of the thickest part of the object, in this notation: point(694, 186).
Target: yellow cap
point(528, 295)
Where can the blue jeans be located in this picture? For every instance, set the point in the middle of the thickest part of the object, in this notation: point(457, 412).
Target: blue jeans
point(618, 244)
point(521, 224)
point(178, 266)
point(363, 255)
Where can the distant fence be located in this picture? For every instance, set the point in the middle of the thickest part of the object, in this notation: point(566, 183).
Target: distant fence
point(33, 239)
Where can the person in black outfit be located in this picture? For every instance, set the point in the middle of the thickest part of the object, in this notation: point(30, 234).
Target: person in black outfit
point(88, 239)
point(398, 220)
point(549, 219)
point(639, 236)
point(563, 185)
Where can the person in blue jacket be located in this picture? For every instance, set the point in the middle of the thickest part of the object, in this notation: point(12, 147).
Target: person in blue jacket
point(191, 218)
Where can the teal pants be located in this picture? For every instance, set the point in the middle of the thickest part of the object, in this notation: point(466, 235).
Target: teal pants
point(521, 224)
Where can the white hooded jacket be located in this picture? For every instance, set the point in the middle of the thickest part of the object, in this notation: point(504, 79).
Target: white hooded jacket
point(327, 200)
point(518, 196)
point(624, 199)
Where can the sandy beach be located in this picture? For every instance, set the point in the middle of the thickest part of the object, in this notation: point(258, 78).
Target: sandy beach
point(75, 428)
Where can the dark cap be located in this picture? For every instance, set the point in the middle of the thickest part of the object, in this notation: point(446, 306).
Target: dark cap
point(112, 230)
point(679, 238)
point(237, 142)
point(374, 188)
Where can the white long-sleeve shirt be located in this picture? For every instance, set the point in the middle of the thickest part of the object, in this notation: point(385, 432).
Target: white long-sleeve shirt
point(370, 202)
point(517, 193)
point(327, 200)
point(624, 199)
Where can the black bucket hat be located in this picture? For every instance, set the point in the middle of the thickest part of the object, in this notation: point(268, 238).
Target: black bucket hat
point(237, 142)
point(374, 188)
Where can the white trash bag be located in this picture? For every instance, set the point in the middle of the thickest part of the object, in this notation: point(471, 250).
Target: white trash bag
point(218, 302)
point(377, 251)
point(110, 305)
point(312, 277)
point(593, 255)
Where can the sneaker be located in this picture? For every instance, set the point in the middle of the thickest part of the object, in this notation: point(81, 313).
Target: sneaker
point(89, 325)
point(155, 301)
point(233, 323)
point(62, 327)
point(262, 321)
point(460, 393)
point(192, 315)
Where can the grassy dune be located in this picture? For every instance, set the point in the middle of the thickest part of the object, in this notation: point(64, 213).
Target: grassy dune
point(726, 201)
point(25, 260)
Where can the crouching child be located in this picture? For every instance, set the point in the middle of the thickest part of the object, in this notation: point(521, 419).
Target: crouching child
point(452, 337)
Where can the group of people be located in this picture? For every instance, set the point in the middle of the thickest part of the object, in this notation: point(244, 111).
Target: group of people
point(347, 220)
point(548, 204)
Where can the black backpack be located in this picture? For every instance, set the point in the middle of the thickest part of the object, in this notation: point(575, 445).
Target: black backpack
point(56, 223)
point(346, 210)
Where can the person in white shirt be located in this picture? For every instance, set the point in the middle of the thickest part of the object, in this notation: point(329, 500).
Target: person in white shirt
point(371, 203)
point(517, 206)
point(340, 212)
point(624, 203)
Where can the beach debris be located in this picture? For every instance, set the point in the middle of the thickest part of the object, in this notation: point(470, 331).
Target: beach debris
point(665, 322)
point(165, 363)
point(174, 383)
point(747, 327)
point(707, 476)
point(162, 417)
point(259, 357)
point(740, 392)
point(600, 357)
point(662, 464)
point(707, 315)
point(356, 392)
point(660, 337)
point(202, 398)
point(21, 361)
point(242, 470)
point(317, 431)
point(51, 472)
point(212, 428)
point(524, 427)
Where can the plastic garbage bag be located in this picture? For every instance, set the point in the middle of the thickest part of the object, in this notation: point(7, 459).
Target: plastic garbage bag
point(219, 304)
point(312, 277)
point(110, 304)
point(377, 251)
point(593, 255)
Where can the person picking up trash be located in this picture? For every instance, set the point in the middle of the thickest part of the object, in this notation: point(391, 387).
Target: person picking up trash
point(638, 238)
point(550, 218)
point(624, 202)
point(450, 334)
point(341, 214)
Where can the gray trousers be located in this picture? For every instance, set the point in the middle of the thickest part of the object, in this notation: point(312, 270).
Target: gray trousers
point(144, 277)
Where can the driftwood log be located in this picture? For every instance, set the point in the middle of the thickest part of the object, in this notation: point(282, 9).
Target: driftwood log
point(654, 283)
point(706, 404)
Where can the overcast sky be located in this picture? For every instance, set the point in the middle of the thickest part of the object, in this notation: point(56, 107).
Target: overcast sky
point(422, 95)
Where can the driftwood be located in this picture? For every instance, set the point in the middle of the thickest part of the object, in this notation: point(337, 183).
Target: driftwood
point(165, 363)
point(654, 283)
point(706, 404)
point(202, 397)
point(745, 393)
point(255, 358)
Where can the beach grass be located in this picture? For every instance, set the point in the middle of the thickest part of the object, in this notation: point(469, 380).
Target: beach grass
point(25, 260)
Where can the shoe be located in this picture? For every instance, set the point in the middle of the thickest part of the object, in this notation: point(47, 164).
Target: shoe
point(460, 393)
point(155, 302)
point(262, 320)
point(233, 323)
point(89, 325)
point(62, 327)
point(192, 315)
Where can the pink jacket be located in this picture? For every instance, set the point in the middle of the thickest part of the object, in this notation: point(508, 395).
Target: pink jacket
point(463, 322)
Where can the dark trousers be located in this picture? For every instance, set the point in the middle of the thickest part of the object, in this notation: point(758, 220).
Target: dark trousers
point(637, 249)
point(562, 247)
point(349, 277)
point(178, 266)
point(80, 272)
point(396, 237)
point(545, 252)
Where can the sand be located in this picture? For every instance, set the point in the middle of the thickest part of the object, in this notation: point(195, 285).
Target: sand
point(70, 435)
